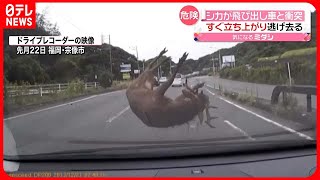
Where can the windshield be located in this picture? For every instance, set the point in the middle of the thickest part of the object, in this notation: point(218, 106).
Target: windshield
point(104, 98)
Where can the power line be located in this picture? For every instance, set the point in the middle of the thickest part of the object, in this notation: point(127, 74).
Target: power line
point(64, 18)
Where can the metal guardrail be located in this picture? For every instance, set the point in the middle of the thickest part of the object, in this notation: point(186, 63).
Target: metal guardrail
point(308, 90)
point(43, 89)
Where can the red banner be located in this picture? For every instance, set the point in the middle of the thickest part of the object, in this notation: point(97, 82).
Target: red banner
point(19, 15)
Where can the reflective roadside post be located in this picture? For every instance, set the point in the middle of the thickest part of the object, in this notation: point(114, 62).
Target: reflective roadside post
point(219, 61)
point(95, 81)
point(289, 74)
point(211, 47)
point(213, 71)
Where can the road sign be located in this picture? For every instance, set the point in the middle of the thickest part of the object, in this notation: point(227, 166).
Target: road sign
point(125, 68)
point(125, 76)
point(136, 71)
point(228, 59)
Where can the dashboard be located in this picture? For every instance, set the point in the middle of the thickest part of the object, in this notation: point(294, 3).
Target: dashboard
point(285, 163)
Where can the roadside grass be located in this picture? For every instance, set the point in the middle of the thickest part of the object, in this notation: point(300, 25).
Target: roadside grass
point(299, 52)
point(290, 54)
point(273, 69)
point(271, 58)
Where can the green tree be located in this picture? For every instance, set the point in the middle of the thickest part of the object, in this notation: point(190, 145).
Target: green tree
point(25, 68)
point(105, 79)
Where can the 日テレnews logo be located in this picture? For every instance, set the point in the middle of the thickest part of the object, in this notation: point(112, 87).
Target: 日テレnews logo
point(20, 15)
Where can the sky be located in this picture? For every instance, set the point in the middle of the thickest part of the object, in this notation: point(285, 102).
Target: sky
point(148, 26)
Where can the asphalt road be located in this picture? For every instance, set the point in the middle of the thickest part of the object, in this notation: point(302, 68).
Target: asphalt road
point(257, 90)
point(106, 120)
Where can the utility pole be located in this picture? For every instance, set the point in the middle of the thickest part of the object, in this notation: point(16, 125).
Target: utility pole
point(110, 55)
point(143, 64)
point(213, 71)
point(158, 69)
point(137, 52)
point(102, 38)
point(137, 58)
point(170, 67)
point(219, 61)
point(218, 69)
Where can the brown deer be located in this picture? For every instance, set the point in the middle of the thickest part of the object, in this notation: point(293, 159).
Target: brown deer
point(154, 109)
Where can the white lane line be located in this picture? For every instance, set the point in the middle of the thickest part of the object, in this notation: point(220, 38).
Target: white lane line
point(46, 109)
point(118, 114)
point(267, 119)
point(113, 92)
point(240, 130)
point(60, 105)
point(210, 92)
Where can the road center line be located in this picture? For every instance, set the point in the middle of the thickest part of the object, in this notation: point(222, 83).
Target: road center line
point(240, 130)
point(118, 114)
point(267, 119)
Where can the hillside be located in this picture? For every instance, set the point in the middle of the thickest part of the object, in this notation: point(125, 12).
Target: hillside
point(250, 52)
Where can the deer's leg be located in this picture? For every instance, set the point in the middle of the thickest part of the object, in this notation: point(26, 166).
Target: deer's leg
point(197, 87)
point(152, 63)
point(209, 118)
point(194, 89)
point(161, 62)
point(200, 116)
point(164, 87)
point(189, 94)
point(155, 60)
point(188, 127)
point(188, 87)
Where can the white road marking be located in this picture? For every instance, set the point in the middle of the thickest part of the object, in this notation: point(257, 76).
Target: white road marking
point(108, 93)
point(60, 105)
point(46, 109)
point(240, 130)
point(118, 114)
point(267, 119)
point(210, 92)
